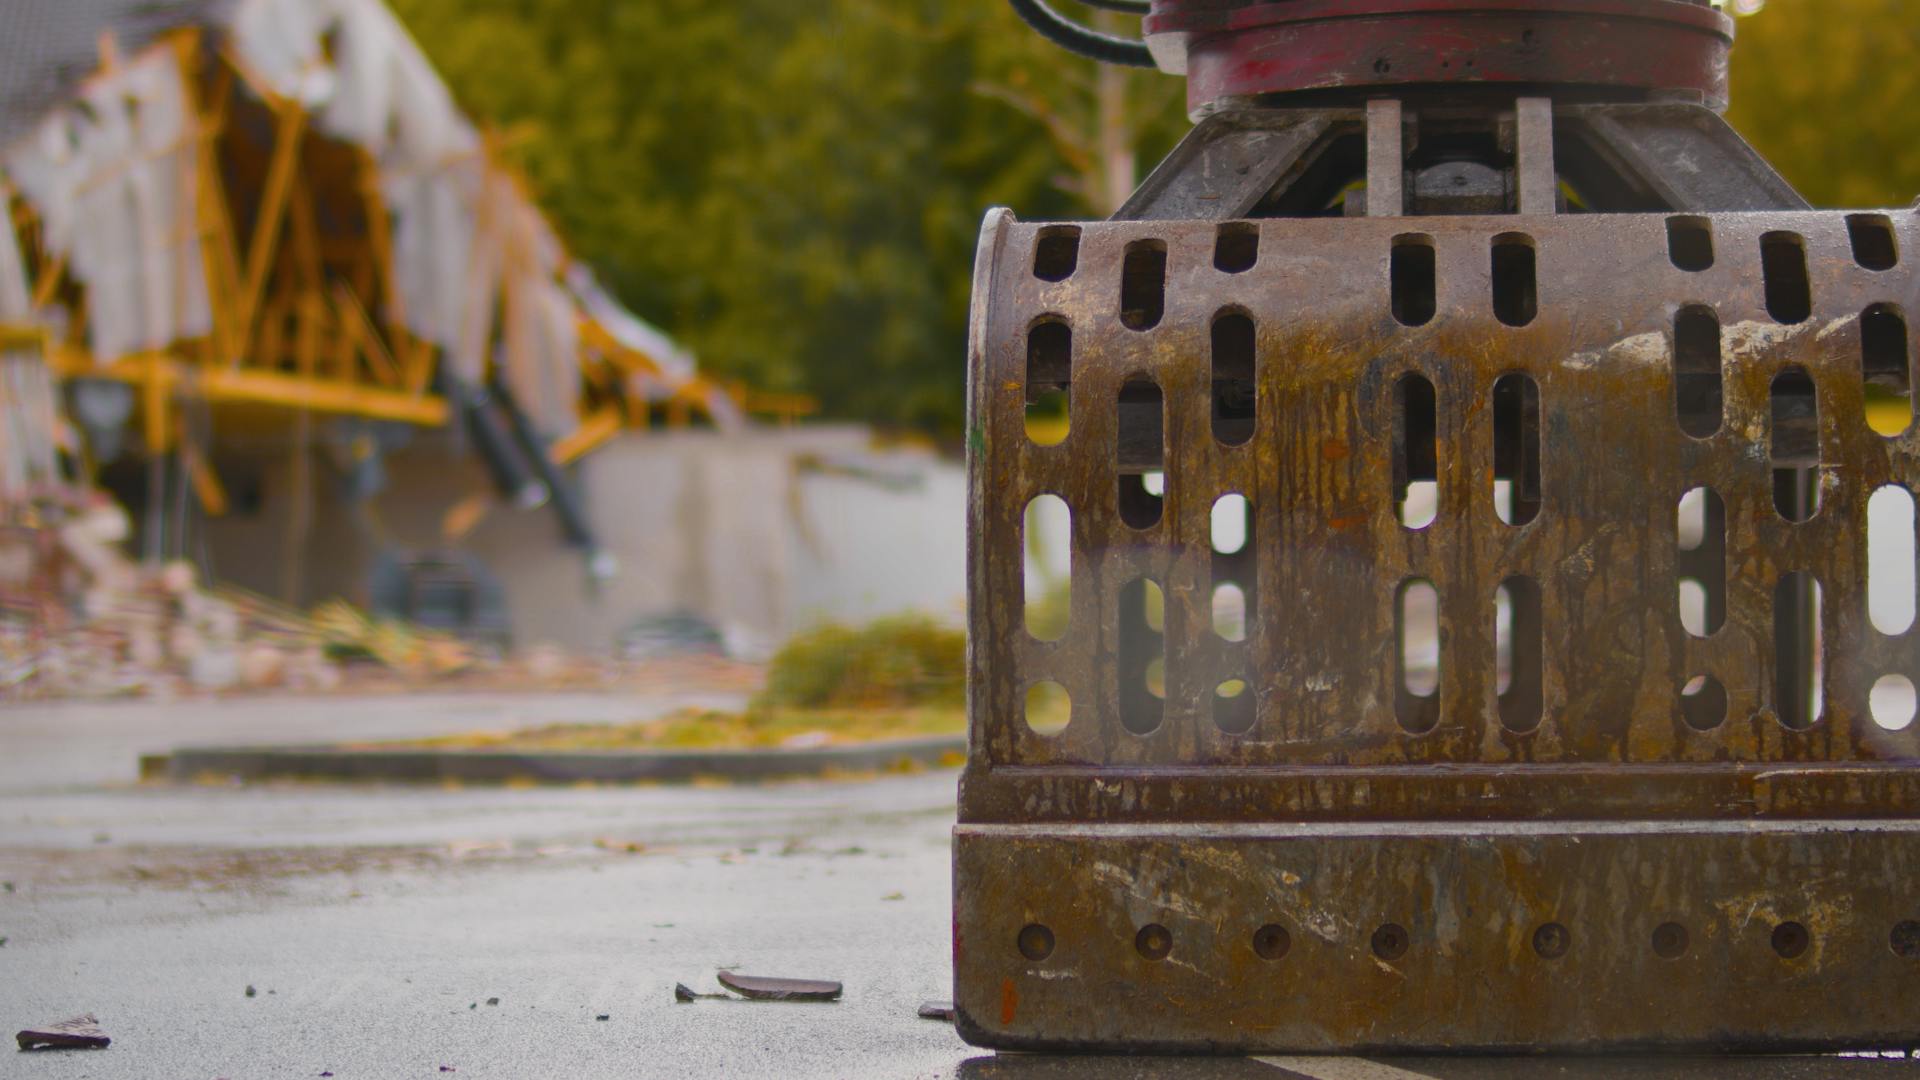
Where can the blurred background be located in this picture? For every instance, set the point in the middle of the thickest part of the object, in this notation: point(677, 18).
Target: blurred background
point(572, 330)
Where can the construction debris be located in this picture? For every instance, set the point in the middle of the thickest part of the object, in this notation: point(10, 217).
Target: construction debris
point(769, 989)
point(81, 618)
point(79, 1033)
point(937, 1010)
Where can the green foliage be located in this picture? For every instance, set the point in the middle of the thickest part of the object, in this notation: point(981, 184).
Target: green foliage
point(793, 190)
point(889, 663)
point(1825, 90)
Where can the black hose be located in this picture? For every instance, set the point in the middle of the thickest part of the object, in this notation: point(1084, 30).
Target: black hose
point(1075, 38)
point(1125, 7)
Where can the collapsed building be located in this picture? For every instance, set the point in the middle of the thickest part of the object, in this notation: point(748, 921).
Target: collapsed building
point(273, 290)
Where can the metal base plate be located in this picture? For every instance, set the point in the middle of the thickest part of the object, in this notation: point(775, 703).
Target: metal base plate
point(1429, 936)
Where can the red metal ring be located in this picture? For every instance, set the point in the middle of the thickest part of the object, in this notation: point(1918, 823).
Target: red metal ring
point(1289, 45)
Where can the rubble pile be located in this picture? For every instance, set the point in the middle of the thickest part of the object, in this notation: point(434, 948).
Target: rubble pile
point(79, 618)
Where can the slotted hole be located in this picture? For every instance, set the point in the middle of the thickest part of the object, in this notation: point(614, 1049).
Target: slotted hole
point(1056, 252)
point(1048, 708)
point(1416, 491)
point(1519, 680)
point(1236, 247)
point(1417, 658)
point(1783, 264)
point(1690, 243)
point(1230, 611)
point(1233, 378)
point(1798, 693)
point(1885, 366)
point(1703, 703)
point(1049, 381)
point(1891, 701)
point(1696, 370)
point(1515, 291)
point(1795, 445)
point(1234, 566)
point(1890, 559)
point(1700, 561)
point(1516, 448)
point(1233, 706)
point(1229, 523)
point(1047, 528)
point(1411, 280)
point(1141, 451)
point(1873, 244)
point(1143, 285)
point(1142, 656)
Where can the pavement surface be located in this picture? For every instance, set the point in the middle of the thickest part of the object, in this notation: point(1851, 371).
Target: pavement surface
point(397, 932)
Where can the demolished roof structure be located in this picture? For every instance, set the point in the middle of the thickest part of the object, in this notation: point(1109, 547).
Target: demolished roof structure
point(276, 204)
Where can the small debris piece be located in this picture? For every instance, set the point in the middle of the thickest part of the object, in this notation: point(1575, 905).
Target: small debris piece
point(79, 1033)
point(895, 896)
point(3, 941)
point(325, 1072)
point(251, 992)
point(493, 1001)
point(937, 1010)
point(448, 1068)
point(7, 885)
point(762, 988)
point(604, 1016)
point(683, 992)
point(475, 1005)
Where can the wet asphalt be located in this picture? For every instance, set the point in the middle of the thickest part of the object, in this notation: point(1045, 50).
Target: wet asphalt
point(484, 932)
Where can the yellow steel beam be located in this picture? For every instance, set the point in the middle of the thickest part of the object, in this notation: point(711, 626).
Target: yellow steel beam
point(273, 204)
point(159, 374)
point(593, 433)
point(206, 483)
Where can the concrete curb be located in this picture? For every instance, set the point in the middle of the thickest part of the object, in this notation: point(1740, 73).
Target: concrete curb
point(545, 767)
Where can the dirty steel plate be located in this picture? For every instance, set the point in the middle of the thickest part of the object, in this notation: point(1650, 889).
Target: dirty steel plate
point(1327, 937)
point(1547, 519)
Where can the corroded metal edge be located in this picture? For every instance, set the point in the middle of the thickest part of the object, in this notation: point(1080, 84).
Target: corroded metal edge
point(1471, 899)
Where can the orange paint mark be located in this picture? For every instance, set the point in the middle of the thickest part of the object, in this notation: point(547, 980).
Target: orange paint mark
point(1347, 522)
point(1009, 1001)
point(1335, 449)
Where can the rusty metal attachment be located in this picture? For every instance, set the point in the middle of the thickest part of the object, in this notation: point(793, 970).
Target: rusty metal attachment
point(1472, 636)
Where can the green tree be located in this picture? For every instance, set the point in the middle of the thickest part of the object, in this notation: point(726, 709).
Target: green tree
point(795, 190)
point(1825, 90)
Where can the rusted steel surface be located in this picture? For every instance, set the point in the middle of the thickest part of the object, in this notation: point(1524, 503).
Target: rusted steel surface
point(1238, 50)
point(1544, 937)
point(1327, 554)
point(1165, 825)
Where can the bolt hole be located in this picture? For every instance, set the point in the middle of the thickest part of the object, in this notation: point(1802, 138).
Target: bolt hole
point(1036, 942)
point(1790, 940)
point(1905, 939)
point(1390, 941)
point(1550, 940)
point(1669, 940)
point(1272, 941)
point(1703, 703)
point(1153, 942)
point(1382, 66)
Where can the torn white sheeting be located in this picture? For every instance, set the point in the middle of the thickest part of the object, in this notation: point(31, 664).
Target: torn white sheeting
point(113, 177)
point(15, 298)
point(464, 234)
point(27, 459)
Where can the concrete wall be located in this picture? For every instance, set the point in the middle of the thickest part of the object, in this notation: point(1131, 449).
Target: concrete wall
point(762, 533)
